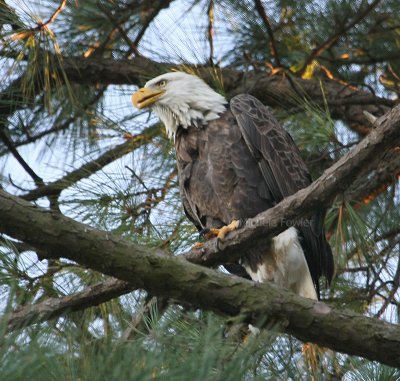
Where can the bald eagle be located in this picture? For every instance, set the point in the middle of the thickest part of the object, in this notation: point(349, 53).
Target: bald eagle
point(234, 161)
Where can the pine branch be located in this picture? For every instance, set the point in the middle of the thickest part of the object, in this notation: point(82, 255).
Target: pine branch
point(331, 40)
point(344, 102)
point(55, 307)
point(176, 278)
point(93, 166)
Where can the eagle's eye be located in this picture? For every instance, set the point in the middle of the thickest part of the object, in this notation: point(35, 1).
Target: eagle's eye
point(162, 83)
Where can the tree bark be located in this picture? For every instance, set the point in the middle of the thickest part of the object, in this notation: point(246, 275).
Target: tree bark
point(176, 278)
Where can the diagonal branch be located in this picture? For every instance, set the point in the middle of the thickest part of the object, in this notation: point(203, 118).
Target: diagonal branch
point(11, 147)
point(91, 167)
point(56, 13)
point(317, 196)
point(41, 26)
point(54, 307)
point(176, 278)
point(274, 50)
point(162, 4)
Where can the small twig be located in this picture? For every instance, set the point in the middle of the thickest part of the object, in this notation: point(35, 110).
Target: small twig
point(15, 185)
point(395, 287)
point(117, 24)
point(137, 177)
point(261, 11)
point(140, 318)
point(210, 30)
point(152, 199)
point(56, 13)
point(58, 128)
point(371, 118)
point(40, 26)
point(9, 144)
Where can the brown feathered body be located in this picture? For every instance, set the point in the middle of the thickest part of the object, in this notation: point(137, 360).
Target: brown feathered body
point(239, 165)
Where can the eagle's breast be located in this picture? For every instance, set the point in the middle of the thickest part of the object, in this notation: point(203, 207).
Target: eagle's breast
point(219, 178)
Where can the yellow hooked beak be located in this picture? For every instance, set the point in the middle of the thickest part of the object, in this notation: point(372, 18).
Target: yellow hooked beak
point(146, 97)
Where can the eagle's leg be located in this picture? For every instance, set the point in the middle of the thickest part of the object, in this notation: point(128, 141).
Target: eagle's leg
point(222, 232)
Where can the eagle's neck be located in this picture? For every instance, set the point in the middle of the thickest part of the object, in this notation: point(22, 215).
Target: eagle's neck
point(185, 113)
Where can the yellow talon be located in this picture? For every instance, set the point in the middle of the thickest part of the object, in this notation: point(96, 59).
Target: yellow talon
point(219, 233)
point(227, 229)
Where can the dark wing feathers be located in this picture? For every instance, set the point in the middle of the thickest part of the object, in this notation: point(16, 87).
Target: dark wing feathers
point(219, 178)
point(272, 146)
point(284, 172)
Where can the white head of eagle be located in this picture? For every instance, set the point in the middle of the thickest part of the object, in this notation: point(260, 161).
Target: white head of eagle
point(180, 99)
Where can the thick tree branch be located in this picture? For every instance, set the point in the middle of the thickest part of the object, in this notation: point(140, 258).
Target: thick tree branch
point(55, 307)
point(174, 277)
point(366, 188)
point(345, 102)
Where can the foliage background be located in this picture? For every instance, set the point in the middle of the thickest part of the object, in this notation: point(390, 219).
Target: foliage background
point(52, 125)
